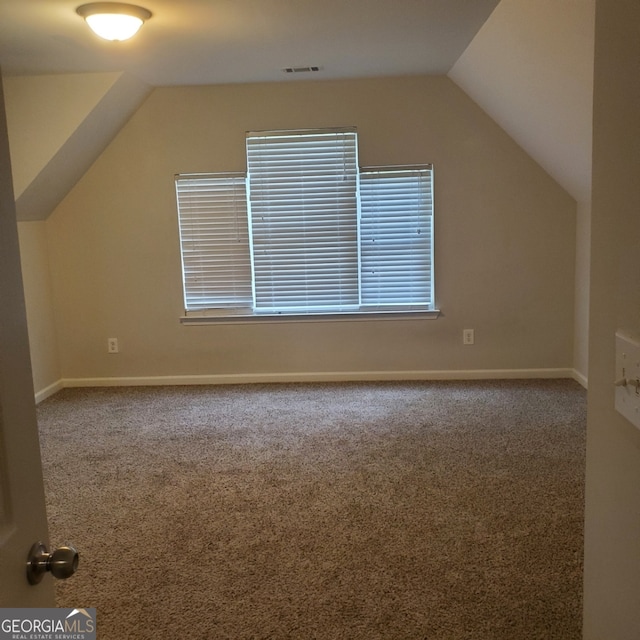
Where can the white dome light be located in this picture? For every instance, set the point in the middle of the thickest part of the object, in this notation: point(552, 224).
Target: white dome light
point(113, 20)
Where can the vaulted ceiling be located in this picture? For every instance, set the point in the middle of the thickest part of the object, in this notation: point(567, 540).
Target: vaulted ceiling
point(528, 64)
point(219, 41)
point(530, 67)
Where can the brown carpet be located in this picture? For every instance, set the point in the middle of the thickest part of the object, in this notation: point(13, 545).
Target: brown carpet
point(435, 510)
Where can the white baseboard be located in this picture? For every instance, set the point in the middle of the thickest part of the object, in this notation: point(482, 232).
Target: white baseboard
point(43, 394)
point(333, 376)
point(580, 379)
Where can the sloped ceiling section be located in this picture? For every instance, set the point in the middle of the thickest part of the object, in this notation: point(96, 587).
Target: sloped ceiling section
point(58, 125)
point(530, 67)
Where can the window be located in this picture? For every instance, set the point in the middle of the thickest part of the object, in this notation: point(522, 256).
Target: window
point(306, 231)
point(214, 238)
point(304, 221)
point(396, 237)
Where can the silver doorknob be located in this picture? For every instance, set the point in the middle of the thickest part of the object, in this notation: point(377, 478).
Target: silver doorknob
point(62, 563)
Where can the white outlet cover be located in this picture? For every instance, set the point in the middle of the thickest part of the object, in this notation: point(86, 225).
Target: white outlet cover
point(627, 400)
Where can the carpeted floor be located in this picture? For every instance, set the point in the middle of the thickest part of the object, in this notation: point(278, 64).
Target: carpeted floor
point(435, 510)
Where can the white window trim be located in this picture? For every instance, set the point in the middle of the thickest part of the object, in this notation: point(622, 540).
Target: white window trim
point(302, 205)
point(200, 318)
point(407, 228)
point(232, 314)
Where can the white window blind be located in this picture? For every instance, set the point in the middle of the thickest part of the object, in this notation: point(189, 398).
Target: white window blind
point(396, 235)
point(304, 220)
point(214, 240)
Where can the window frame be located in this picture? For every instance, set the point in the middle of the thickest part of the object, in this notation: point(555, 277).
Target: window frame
point(230, 312)
point(226, 210)
point(302, 201)
point(410, 227)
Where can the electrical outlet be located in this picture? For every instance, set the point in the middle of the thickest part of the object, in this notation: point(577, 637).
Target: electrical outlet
point(468, 336)
point(112, 345)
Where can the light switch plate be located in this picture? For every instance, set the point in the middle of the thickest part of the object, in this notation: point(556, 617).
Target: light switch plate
point(628, 378)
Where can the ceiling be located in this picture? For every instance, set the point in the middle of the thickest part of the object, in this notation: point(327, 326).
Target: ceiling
point(223, 41)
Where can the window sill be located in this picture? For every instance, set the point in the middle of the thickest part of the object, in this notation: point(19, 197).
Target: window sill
point(203, 319)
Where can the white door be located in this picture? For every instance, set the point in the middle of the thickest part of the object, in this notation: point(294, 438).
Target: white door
point(22, 508)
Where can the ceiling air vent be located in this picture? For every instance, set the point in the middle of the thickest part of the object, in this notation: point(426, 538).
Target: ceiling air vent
point(301, 69)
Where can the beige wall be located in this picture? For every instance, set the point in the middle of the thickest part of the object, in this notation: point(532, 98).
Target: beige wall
point(43, 112)
point(43, 339)
point(58, 126)
point(531, 68)
point(505, 240)
point(541, 93)
point(612, 532)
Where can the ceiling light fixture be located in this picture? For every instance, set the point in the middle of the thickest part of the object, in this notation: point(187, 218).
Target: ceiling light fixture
point(113, 20)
